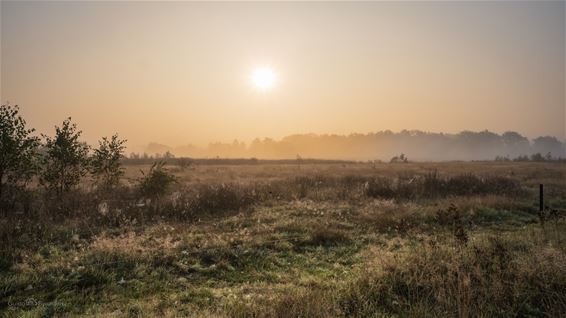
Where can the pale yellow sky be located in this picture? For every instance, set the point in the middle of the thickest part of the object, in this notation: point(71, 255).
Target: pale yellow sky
point(179, 72)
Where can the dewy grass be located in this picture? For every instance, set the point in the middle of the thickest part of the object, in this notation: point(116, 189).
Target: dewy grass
point(322, 241)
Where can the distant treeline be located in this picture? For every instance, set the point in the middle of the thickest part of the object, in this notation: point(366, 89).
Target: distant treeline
point(383, 145)
point(537, 157)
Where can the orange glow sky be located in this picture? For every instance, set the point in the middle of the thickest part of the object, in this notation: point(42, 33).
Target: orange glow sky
point(179, 72)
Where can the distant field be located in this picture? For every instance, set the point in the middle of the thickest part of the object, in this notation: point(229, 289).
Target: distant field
point(297, 240)
point(529, 174)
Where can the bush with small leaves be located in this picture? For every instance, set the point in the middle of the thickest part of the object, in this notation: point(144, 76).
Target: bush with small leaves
point(156, 182)
point(18, 150)
point(66, 159)
point(105, 165)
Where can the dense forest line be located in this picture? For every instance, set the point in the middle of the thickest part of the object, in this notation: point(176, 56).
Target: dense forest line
point(383, 145)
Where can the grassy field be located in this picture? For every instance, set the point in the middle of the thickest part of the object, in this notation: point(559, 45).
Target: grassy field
point(311, 240)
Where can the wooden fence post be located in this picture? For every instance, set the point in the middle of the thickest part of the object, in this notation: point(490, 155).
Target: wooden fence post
point(541, 198)
point(541, 215)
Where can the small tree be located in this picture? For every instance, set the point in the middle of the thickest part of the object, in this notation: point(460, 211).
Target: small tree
point(66, 159)
point(402, 159)
point(537, 157)
point(105, 163)
point(18, 149)
point(548, 156)
point(156, 183)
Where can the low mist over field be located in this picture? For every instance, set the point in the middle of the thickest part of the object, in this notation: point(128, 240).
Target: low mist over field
point(417, 145)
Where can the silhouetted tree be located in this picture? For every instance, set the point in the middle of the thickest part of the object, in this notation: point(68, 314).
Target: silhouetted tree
point(156, 182)
point(105, 163)
point(399, 159)
point(548, 156)
point(18, 149)
point(66, 159)
point(548, 144)
point(515, 144)
point(537, 157)
point(522, 158)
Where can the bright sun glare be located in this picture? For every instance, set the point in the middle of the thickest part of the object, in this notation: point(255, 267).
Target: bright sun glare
point(263, 78)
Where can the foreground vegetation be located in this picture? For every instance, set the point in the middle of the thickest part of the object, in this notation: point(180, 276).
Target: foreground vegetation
point(446, 239)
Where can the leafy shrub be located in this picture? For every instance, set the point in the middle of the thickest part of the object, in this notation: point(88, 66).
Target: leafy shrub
point(66, 161)
point(156, 182)
point(18, 150)
point(105, 163)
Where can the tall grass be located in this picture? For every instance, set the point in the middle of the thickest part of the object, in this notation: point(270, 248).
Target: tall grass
point(199, 200)
point(514, 275)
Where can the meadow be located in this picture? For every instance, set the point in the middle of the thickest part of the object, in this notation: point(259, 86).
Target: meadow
point(295, 239)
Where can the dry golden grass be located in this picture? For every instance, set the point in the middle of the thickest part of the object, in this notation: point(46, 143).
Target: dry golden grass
point(271, 172)
point(284, 241)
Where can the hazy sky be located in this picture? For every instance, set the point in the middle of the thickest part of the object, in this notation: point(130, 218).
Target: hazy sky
point(179, 72)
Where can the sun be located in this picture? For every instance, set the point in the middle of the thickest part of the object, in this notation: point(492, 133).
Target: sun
point(263, 78)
